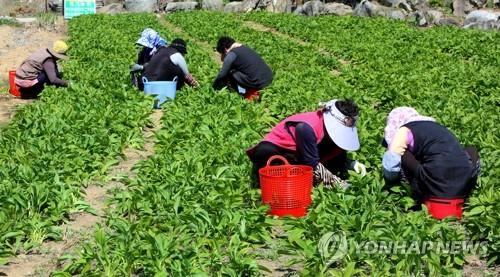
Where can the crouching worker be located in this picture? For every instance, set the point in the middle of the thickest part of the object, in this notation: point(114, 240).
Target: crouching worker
point(39, 69)
point(150, 41)
point(243, 70)
point(319, 139)
point(169, 63)
point(440, 171)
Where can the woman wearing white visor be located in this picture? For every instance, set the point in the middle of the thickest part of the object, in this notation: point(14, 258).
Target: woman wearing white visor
point(319, 139)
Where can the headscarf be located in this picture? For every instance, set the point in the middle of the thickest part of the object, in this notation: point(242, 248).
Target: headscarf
point(151, 39)
point(399, 117)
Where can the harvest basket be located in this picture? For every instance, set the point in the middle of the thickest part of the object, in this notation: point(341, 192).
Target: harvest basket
point(13, 88)
point(286, 188)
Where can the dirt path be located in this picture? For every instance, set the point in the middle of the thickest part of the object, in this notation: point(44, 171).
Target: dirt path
point(81, 225)
point(8, 107)
point(213, 54)
point(259, 27)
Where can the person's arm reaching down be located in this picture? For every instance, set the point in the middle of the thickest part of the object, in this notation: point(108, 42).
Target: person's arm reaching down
point(179, 60)
point(391, 161)
point(224, 71)
point(50, 69)
point(307, 149)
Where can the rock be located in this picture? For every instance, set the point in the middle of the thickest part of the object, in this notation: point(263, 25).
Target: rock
point(25, 20)
point(181, 6)
point(140, 5)
point(55, 5)
point(404, 6)
point(235, 7)
point(484, 25)
point(112, 9)
point(482, 16)
point(338, 9)
point(250, 5)
point(279, 6)
point(447, 22)
point(478, 3)
point(367, 8)
point(99, 4)
point(461, 7)
point(313, 8)
point(214, 5)
point(389, 3)
point(396, 14)
point(419, 18)
point(434, 16)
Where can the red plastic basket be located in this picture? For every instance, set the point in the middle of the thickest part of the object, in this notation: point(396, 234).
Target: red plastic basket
point(286, 188)
point(440, 208)
point(13, 89)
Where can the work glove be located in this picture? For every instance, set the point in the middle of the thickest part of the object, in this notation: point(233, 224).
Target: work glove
point(191, 81)
point(136, 67)
point(322, 174)
point(358, 168)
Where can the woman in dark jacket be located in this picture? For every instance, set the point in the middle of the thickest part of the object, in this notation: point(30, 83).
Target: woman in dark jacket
point(440, 171)
point(243, 70)
point(169, 63)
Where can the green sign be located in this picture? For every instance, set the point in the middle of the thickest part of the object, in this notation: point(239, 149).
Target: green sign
point(74, 8)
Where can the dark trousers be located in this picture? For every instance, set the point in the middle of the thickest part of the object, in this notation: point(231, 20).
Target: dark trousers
point(34, 91)
point(236, 78)
point(410, 165)
point(260, 154)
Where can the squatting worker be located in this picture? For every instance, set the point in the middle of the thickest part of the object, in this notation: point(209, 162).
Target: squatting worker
point(440, 171)
point(149, 42)
point(319, 139)
point(169, 63)
point(243, 70)
point(40, 68)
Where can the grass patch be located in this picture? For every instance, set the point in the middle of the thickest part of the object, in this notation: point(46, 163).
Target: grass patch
point(9, 22)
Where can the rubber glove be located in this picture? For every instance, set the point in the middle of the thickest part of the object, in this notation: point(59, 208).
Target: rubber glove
point(359, 168)
point(136, 67)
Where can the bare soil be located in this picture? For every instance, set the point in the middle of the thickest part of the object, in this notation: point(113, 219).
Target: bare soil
point(475, 267)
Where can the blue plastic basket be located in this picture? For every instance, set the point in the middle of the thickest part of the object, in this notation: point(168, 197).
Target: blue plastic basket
point(162, 90)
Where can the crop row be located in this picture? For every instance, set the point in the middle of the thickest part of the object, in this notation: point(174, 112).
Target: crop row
point(55, 146)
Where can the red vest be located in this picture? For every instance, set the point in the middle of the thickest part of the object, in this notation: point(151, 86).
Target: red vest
point(281, 137)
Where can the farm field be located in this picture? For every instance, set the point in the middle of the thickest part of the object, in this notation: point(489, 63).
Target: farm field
point(191, 209)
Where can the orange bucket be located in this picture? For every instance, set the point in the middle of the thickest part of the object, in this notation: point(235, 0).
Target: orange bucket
point(13, 88)
point(286, 188)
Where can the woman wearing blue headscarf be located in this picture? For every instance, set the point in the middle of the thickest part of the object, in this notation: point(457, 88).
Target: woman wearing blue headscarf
point(150, 41)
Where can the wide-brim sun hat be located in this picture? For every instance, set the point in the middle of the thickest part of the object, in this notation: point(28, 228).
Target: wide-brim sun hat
point(59, 49)
point(341, 128)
